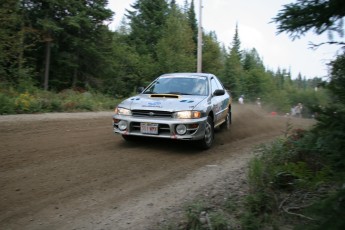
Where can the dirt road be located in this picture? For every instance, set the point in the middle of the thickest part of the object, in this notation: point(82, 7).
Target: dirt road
point(69, 171)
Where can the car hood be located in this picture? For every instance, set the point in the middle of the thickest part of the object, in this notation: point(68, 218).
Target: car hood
point(162, 102)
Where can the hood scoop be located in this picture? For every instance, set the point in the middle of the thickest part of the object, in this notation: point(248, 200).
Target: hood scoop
point(164, 96)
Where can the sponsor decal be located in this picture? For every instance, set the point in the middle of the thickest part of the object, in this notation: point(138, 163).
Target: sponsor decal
point(155, 104)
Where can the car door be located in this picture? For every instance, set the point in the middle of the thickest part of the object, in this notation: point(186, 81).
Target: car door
point(219, 103)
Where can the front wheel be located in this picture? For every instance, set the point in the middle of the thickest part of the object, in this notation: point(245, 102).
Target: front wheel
point(207, 141)
point(227, 123)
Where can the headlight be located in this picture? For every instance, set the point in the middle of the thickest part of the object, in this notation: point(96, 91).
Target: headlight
point(187, 114)
point(123, 111)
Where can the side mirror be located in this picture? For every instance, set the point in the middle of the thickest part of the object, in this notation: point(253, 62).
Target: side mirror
point(140, 89)
point(219, 92)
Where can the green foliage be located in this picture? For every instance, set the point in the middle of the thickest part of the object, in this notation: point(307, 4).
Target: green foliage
point(39, 101)
point(288, 165)
point(250, 221)
point(156, 38)
point(26, 103)
point(212, 61)
point(218, 220)
point(329, 134)
point(6, 104)
point(230, 204)
point(147, 22)
point(193, 212)
point(175, 50)
point(304, 15)
point(337, 84)
point(256, 174)
point(329, 213)
point(13, 63)
point(199, 217)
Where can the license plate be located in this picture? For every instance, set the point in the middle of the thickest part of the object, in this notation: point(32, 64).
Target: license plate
point(149, 128)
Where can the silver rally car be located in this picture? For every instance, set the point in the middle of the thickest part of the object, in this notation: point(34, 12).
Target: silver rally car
point(183, 106)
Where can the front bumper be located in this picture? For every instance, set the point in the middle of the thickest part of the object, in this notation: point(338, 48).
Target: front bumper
point(166, 127)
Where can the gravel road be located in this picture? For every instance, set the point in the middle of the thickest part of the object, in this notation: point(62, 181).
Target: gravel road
point(69, 171)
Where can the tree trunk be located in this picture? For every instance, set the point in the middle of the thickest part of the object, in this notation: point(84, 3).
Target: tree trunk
point(75, 78)
point(47, 65)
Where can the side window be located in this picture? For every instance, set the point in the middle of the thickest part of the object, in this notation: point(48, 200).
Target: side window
point(214, 85)
point(220, 85)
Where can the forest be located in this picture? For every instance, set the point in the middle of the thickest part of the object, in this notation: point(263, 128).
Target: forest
point(59, 55)
point(50, 48)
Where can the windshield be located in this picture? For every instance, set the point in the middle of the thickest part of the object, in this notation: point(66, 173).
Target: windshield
point(179, 85)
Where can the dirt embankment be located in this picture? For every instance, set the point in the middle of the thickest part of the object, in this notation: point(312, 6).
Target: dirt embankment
point(68, 171)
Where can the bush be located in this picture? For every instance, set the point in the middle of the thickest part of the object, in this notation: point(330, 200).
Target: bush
point(6, 104)
point(27, 103)
point(35, 101)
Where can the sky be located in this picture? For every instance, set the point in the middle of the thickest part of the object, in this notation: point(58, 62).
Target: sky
point(253, 18)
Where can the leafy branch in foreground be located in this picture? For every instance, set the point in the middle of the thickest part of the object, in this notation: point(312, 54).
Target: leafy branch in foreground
point(304, 15)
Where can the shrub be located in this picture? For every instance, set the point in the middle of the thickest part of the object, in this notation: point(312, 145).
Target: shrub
point(218, 220)
point(6, 104)
point(193, 215)
point(27, 103)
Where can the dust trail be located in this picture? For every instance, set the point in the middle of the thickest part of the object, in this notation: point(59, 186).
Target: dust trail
point(249, 120)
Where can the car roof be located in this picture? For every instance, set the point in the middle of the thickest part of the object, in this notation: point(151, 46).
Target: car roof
point(208, 75)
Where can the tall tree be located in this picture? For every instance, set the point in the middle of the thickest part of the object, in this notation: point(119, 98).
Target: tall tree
point(147, 21)
point(236, 44)
point(123, 77)
point(70, 32)
point(212, 61)
point(233, 70)
point(193, 23)
point(13, 33)
point(252, 60)
point(254, 76)
point(175, 50)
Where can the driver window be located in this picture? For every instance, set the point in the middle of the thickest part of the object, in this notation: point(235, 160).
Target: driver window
point(214, 85)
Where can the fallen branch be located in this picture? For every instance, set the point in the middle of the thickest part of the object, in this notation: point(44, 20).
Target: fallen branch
point(297, 214)
point(287, 210)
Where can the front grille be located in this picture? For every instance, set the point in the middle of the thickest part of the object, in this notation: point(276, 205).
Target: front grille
point(162, 128)
point(151, 113)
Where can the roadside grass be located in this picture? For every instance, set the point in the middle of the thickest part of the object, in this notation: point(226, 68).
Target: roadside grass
point(286, 181)
point(291, 185)
point(39, 101)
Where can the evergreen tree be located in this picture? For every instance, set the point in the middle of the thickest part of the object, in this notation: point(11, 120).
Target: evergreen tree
point(72, 34)
point(123, 77)
point(233, 70)
point(236, 44)
point(254, 76)
point(175, 50)
point(147, 22)
point(299, 81)
point(212, 61)
point(12, 45)
point(193, 23)
point(252, 60)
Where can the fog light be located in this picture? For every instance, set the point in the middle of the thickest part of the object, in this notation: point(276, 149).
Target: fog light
point(194, 126)
point(122, 125)
point(181, 129)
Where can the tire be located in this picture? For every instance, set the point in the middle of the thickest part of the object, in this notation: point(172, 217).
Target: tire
point(208, 139)
point(227, 124)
